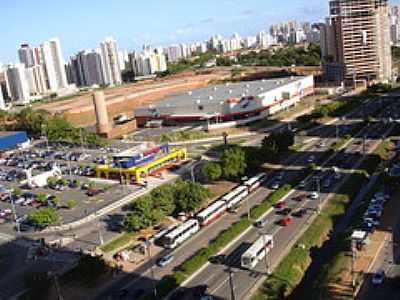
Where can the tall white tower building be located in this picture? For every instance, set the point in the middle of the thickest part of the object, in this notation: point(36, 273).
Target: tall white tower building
point(17, 84)
point(25, 54)
point(2, 102)
point(110, 61)
point(54, 65)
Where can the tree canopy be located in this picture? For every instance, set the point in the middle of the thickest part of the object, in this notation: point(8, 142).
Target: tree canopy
point(44, 217)
point(233, 162)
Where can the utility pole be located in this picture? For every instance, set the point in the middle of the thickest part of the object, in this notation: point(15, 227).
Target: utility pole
point(266, 252)
point(231, 284)
point(318, 182)
point(101, 240)
point(353, 272)
point(364, 144)
point(148, 245)
point(14, 213)
point(248, 209)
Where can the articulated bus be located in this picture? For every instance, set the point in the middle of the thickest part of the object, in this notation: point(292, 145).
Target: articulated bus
point(211, 213)
point(256, 252)
point(235, 196)
point(180, 234)
point(254, 182)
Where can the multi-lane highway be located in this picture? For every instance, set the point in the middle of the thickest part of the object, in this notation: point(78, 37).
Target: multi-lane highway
point(140, 281)
point(222, 280)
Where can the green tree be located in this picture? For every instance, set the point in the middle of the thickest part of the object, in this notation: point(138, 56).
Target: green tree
point(134, 222)
point(163, 199)
point(190, 196)
point(233, 162)
point(44, 217)
point(212, 171)
point(56, 201)
point(42, 198)
point(17, 192)
point(71, 203)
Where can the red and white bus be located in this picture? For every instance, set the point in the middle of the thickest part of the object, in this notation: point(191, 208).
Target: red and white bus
point(211, 213)
point(180, 234)
point(254, 182)
point(234, 197)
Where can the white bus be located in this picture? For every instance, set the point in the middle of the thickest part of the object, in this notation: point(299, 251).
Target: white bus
point(256, 252)
point(254, 182)
point(235, 196)
point(211, 213)
point(180, 234)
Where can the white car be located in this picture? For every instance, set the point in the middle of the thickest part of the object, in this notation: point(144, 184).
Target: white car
point(311, 159)
point(163, 261)
point(302, 184)
point(314, 196)
point(378, 277)
point(371, 220)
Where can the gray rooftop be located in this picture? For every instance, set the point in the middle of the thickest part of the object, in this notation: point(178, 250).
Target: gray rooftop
point(222, 92)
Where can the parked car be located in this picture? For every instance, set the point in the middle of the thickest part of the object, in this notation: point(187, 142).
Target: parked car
point(280, 204)
point(94, 192)
point(314, 196)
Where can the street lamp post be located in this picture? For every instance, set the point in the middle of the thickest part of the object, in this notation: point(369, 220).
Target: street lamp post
point(318, 182)
point(266, 251)
point(14, 213)
point(148, 245)
point(231, 283)
point(353, 261)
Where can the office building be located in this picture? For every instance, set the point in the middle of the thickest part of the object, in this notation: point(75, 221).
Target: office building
point(358, 41)
point(147, 63)
point(53, 65)
point(174, 53)
point(25, 54)
point(17, 84)
point(110, 62)
point(36, 80)
point(2, 101)
point(85, 69)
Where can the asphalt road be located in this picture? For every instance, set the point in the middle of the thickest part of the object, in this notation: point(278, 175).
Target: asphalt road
point(216, 277)
point(140, 280)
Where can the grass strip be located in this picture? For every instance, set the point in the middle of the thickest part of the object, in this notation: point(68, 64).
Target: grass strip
point(119, 242)
point(191, 265)
point(291, 270)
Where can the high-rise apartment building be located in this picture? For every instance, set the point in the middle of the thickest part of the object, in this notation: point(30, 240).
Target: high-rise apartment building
point(356, 41)
point(110, 62)
point(85, 69)
point(17, 84)
point(2, 102)
point(26, 57)
point(53, 65)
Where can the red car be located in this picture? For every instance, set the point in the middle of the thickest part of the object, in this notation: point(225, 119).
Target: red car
point(285, 221)
point(280, 205)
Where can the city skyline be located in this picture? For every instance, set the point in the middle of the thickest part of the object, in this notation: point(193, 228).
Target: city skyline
point(133, 32)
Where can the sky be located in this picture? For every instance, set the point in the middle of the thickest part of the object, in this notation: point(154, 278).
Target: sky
point(82, 24)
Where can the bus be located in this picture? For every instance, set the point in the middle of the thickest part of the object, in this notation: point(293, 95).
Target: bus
point(180, 234)
point(256, 252)
point(254, 182)
point(211, 213)
point(234, 197)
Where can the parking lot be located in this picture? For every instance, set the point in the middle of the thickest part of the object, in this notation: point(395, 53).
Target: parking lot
point(76, 194)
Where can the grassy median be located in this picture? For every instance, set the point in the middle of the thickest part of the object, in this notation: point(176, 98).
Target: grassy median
point(291, 270)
